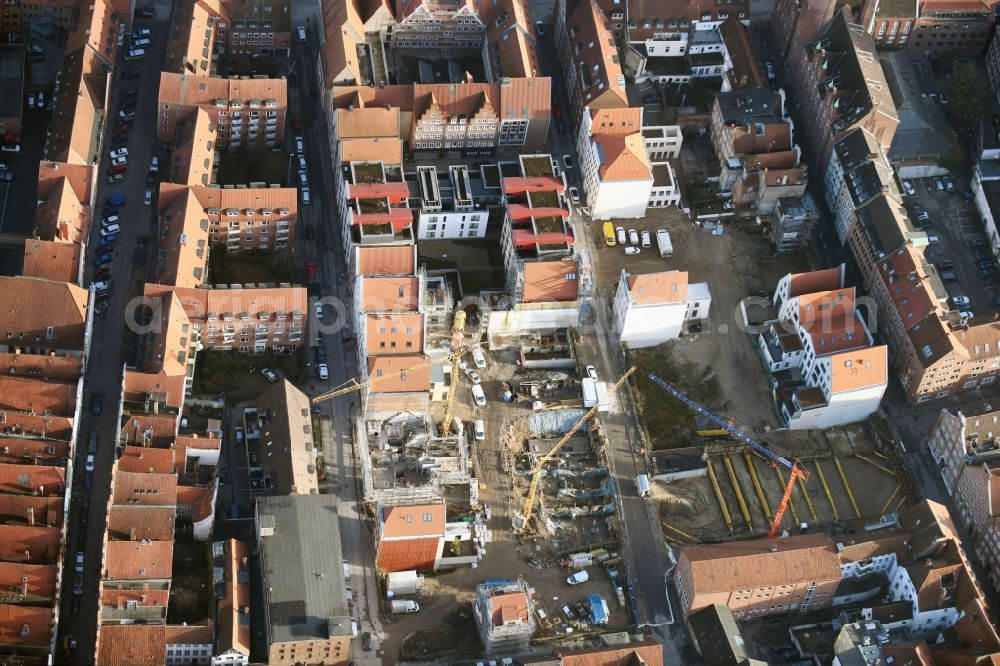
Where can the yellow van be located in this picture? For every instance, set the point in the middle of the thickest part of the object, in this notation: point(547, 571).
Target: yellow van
point(609, 234)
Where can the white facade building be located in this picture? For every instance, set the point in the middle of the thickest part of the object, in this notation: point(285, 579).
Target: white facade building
point(449, 213)
point(653, 308)
point(624, 165)
point(826, 370)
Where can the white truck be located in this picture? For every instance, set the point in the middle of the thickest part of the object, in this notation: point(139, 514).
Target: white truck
point(589, 392)
point(405, 606)
point(663, 242)
point(602, 396)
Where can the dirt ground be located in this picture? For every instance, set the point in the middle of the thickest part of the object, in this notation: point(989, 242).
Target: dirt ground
point(690, 509)
point(536, 560)
point(734, 264)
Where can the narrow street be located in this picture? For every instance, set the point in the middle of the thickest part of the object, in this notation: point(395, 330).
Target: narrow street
point(326, 251)
point(106, 362)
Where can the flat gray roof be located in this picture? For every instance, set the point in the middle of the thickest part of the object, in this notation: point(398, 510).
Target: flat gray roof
point(303, 568)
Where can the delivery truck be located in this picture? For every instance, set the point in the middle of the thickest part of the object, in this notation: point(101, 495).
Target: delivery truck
point(663, 242)
point(589, 392)
point(405, 606)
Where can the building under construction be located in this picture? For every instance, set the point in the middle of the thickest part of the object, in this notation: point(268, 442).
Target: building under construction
point(504, 615)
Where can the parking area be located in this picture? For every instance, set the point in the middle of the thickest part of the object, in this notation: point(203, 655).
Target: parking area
point(721, 348)
point(17, 197)
point(957, 226)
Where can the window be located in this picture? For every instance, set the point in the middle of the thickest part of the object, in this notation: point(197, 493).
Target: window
point(427, 517)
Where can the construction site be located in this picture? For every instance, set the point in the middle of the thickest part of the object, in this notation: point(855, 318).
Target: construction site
point(723, 489)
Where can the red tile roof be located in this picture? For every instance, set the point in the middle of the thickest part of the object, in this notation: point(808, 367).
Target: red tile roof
point(234, 634)
point(52, 260)
point(135, 523)
point(200, 499)
point(146, 459)
point(25, 625)
point(398, 333)
point(649, 651)
point(160, 428)
point(132, 645)
point(549, 281)
point(25, 509)
point(413, 520)
point(30, 307)
point(46, 480)
point(36, 396)
point(508, 608)
point(61, 368)
point(395, 375)
point(57, 427)
point(407, 554)
point(825, 280)
point(390, 260)
point(20, 543)
point(33, 451)
point(382, 294)
point(191, 634)
point(138, 560)
point(113, 598)
point(145, 489)
point(37, 582)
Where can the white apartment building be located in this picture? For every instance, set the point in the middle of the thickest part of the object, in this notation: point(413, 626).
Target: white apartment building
point(826, 370)
point(653, 308)
point(452, 212)
point(624, 165)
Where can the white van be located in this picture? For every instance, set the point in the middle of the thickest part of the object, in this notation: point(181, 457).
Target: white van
point(110, 230)
point(578, 577)
point(642, 485)
point(478, 395)
point(480, 429)
point(135, 54)
point(302, 33)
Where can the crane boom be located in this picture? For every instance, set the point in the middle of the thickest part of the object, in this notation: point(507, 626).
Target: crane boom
point(797, 470)
point(724, 423)
point(536, 473)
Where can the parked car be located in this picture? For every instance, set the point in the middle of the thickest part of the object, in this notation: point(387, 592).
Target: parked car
point(574, 195)
point(107, 241)
point(578, 577)
point(145, 11)
point(539, 27)
point(472, 375)
point(987, 273)
point(148, 198)
point(116, 169)
point(105, 258)
point(933, 239)
point(11, 148)
point(89, 465)
point(319, 311)
point(96, 404)
point(480, 431)
point(478, 357)
point(126, 117)
point(478, 395)
point(959, 301)
point(306, 195)
point(975, 243)
point(122, 128)
point(366, 637)
point(31, 100)
point(633, 237)
point(772, 74)
point(299, 145)
point(119, 161)
point(116, 178)
point(908, 188)
point(938, 184)
point(135, 54)
point(592, 372)
point(324, 371)
point(79, 562)
point(631, 250)
point(303, 178)
point(620, 235)
point(949, 184)
point(269, 374)
point(646, 239)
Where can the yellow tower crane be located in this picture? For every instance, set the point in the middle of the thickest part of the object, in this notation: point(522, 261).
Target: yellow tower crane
point(536, 473)
point(352, 385)
point(457, 348)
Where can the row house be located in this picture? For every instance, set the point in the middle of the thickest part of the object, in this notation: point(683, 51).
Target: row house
point(36, 468)
point(625, 165)
point(651, 308)
point(246, 319)
point(839, 85)
point(964, 444)
point(44, 317)
point(450, 209)
point(423, 27)
point(213, 30)
point(240, 219)
point(232, 581)
point(390, 297)
point(246, 112)
point(281, 452)
point(858, 173)
point(758, 159)
point(355, 49)
point(930, 28)
point(510, 47)
point(826, 370)
point(418, 537)
point(588, 57)
point(62, 221)
point(511, 115)
point(536, 226)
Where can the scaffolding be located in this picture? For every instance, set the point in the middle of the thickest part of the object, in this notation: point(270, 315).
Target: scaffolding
point(504, 614)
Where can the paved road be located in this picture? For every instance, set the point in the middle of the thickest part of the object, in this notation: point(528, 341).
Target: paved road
point(328, 255)
point(646, 552)
point(106, 362)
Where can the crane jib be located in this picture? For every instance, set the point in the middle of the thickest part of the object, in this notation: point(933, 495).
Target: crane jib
point(725, 424)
